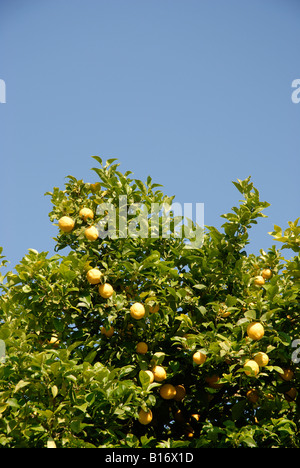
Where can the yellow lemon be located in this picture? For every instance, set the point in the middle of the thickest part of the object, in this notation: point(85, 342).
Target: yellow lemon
point(86, 213)
point(259, 280)
point(109, 333)
point(180, 392)
point(167, 391)
point(159, 373)
point(66, 224)
point(262, 359)
point(106, 290)
point(252, 395)
point(151, 375)
point(255, 330)
point(93, 276)
point(137, 311)
point(141, 347)
point(145, 417)
point(199, 358)
point(266, 273)
point(212, 381)
point(91, 233)
point(251, 368)
point(287, 375)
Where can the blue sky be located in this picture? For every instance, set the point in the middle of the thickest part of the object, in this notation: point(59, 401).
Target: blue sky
point(195, 93)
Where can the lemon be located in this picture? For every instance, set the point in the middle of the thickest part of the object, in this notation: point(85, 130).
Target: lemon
point(159, 373)
point(145, 417)
point(180, 392)
point(255, 330)
point(109, 333)
point(66, 224)
point(259, 280)
point(213, 380)
point(137, 311)
point(167, 391)
point(142, 347)
point(93, 276)
point(86, 213)
point(266, 273)
point(151, 375)
point(91, 233)
point(262, 359)
point(105, 290)
point(287, 375)
point(199, 358)
point(252, 395)
point(251, 368)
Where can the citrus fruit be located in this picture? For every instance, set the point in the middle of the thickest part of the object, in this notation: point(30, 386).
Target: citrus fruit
point(159, 373)
point(93, 276)
point(141, 347)
point(145, 417)
point(167, 391)
point(91, 233)
point(66, 224)
point(266, 273)
point(255, 330)
point(137, 311)
point(151, 375)
point(109, 333)
point(105, 290)
point(251, 368)
point(262, 359)
point(199, 358)
point(86, 213)
point(180, 392)
point(291, 394)
point(212, 381)
point(252, 395)
point(287, 375)
point(259, 280)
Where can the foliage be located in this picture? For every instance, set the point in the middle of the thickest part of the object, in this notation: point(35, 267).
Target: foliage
point(86, 389)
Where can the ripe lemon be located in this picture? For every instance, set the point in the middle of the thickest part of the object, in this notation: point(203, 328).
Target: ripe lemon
point(180, 392)
point(291, 394)
point(259, 280)
point(141, 347)
point(95, 187)
point(262, 359)
point(66, 224)
point(137, 311)
point(151, 375)
point(266, 273)
point(86, 213)
point(252, 395)
point(287, 375)
point(255, 330)
point(251, 368)
point(93, 276)
point(159, 373)
point(213, 380)
point(145, 417)
point(109, 333)
point(91, 233)
point(167, 391)
point(199, 358)
point(106, 290)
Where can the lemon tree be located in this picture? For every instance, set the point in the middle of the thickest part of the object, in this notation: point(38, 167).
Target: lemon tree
point(129, 340)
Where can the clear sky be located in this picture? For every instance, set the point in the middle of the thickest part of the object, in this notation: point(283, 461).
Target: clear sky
point(195, 93)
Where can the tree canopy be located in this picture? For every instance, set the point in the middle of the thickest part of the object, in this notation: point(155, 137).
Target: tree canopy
point(164, 357)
